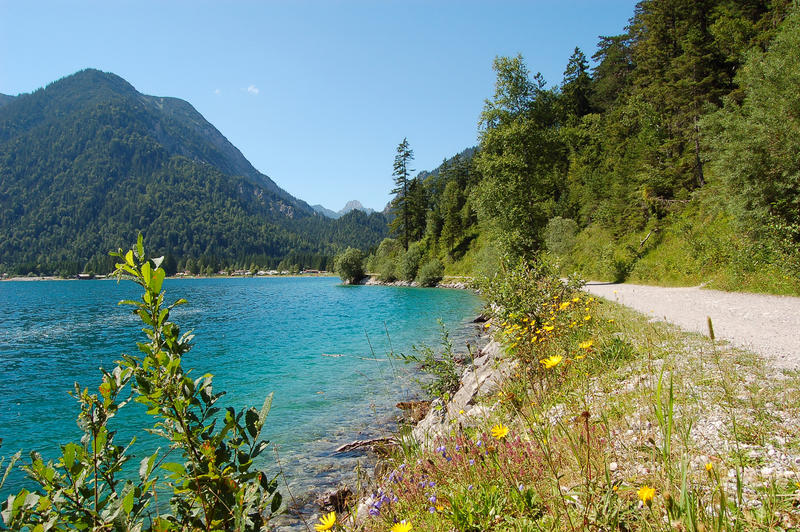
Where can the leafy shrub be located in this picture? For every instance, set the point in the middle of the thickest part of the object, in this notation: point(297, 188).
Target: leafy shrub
point(441, 367)
point(385, 260)
point(431, 273)
point(210, 475)
point(350, 266)
point(559, 235)
point(409, 263)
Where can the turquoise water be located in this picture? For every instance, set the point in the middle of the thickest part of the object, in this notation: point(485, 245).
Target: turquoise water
point(254, 335)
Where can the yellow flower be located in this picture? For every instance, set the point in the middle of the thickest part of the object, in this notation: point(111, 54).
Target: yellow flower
point(461, 412)
point(586, 345)
point(402, 526)
point(587, 318)
point(551, 362)
point(548, 328)
point(646, 494)
point(499, 431)
point(564, 305)
point(326, 522)
point(709, 467)
point(580, 357)
point(439, 507)
point(576, 299)
point(487, 325)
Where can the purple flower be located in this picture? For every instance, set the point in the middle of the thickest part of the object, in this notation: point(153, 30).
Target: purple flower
point(431, 484)
point(521, 487)
point(432, 510)
point(469, 488)
point(432, 498)
point(471, 461)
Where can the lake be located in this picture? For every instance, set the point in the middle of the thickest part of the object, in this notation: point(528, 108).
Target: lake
point(321, 347)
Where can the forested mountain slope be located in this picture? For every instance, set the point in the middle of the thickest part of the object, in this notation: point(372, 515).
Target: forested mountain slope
point(672, 159)
point(88, 162)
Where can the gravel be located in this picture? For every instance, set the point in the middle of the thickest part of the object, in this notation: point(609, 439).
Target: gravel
point(767, 325)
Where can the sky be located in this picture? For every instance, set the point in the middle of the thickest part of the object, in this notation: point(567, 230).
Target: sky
point(317, 94)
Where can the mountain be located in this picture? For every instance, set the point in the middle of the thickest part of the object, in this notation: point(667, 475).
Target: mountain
point(88, 162)
point(5, 98)
point(352, 205)
point(324, 211)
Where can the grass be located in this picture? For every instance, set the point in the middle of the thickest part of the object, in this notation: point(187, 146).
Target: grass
point(702, 243)
point(711, 429)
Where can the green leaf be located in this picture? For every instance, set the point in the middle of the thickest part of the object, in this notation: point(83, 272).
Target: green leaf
point(140, 246)
point(147, 273)
point(146, 465)
point(158, 280)
point(69, 455)
point(174, 467)
point(276, 502)
point(252, 422)
point(127, 502)
point(129, 258)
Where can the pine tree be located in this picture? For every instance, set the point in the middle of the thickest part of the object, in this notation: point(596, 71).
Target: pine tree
point(400, 204)
point(576, 89)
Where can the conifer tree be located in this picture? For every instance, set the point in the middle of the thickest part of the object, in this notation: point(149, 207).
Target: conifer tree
point(400, 204)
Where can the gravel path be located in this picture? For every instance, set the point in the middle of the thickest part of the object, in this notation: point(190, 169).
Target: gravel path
point(767, 325)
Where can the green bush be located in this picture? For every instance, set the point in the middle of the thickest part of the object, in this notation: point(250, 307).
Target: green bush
point(559, 235)
point(350, 266)
point(431, 273)
point(409, 262)
point(207, 473)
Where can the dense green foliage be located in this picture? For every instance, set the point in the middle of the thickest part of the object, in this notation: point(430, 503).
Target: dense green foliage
point(672, 159)
point(207, 469)
point(88, 162)
point(349, 265)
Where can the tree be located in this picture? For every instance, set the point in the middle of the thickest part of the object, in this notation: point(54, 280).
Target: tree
point(350, 266)
point(400, 204)
point(522, 157)
point(576, 88)
point(756, 143)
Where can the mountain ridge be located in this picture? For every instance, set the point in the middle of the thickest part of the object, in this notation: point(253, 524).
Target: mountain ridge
point(88, 162)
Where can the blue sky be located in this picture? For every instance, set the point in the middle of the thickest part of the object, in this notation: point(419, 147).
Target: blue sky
point(316, 94)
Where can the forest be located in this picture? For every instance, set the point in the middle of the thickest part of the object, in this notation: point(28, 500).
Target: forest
point(673, 159)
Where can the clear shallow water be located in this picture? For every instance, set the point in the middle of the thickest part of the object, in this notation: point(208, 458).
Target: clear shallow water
point(254, 335)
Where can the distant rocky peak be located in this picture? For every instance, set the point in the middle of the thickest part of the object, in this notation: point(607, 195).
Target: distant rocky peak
point(353, 205)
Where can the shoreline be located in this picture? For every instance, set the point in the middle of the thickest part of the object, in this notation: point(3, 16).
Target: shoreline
point(446, 282)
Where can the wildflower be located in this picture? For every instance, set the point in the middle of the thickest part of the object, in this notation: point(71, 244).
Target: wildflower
point(460, 412)
point(499, 431)
point(646, 494)
point(576, 299)
point(709, 467)
point(551, 362)
point(326, 522)
point(587, 317)
point(439, 507)
point(586, 345)
point(402, 526)
point(487, 325)
point(615, 488)
point(580, 357)
point(548, 328)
